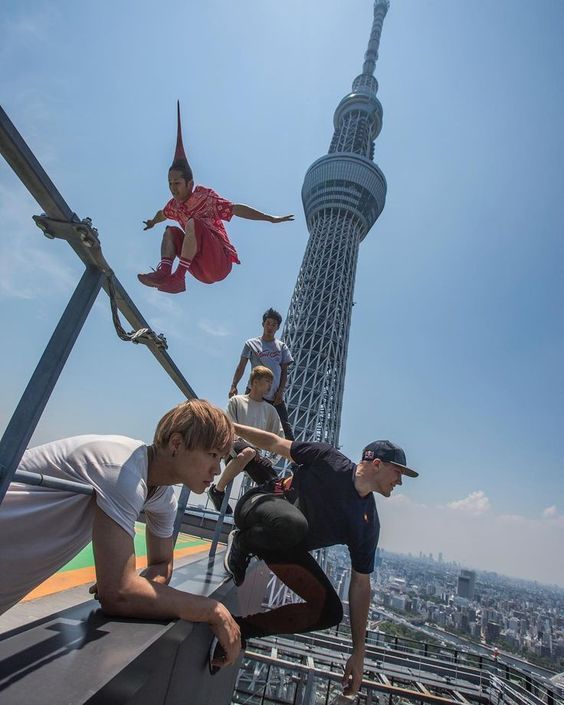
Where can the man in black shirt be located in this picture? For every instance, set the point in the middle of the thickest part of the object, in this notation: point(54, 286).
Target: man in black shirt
point(330, 502)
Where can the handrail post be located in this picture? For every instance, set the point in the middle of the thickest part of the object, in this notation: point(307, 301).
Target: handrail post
point(220, 518)
point(36, 395)
point(182, 503)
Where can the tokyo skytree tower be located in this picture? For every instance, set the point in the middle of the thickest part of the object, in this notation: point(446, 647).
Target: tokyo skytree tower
point(343, 194)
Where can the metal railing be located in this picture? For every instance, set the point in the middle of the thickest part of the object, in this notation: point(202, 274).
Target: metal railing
point(389, 665)
point(59, 221)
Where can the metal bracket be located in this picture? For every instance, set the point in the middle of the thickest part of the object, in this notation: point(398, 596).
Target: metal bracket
point(146, 335)
point(68, 230)
point(84, 231)
point(72, 231)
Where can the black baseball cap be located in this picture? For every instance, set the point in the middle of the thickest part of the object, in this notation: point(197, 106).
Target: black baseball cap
point(390, 453)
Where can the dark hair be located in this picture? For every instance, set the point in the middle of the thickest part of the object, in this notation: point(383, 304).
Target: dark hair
point(183, 167)
point(271, 313)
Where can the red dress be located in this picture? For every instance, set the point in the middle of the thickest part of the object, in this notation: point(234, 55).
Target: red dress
point(216, 254)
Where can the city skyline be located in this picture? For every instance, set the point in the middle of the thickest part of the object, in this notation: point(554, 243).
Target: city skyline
point(456, 340)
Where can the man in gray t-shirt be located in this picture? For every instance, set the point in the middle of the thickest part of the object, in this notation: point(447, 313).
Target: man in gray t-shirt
point(267, 350)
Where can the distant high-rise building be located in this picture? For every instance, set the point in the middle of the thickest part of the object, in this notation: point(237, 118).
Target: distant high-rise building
point(466, 584)
point(343, 195)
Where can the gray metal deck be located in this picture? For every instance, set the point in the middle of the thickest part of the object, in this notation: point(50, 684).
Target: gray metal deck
point(78, 655)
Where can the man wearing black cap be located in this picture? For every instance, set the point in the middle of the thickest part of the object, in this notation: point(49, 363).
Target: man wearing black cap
point(328, 501)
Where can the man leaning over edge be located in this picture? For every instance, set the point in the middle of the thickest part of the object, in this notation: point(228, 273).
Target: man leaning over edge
point(330, 502)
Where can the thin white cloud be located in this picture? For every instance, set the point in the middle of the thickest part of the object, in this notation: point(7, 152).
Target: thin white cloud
point(404, 500)
point(476, 503)
point(214, 329)
point(29, 26)
point(162, 304)
point(553, 517)
point(511, 544)
point(550, 512)
point(27, 270)
point(512, 519)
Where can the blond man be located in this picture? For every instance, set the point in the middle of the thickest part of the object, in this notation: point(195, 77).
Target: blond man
point(127, 476)
point(250, 410)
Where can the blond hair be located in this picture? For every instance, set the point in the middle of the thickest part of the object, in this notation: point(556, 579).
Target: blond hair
point(202, 426)
point(261, 372)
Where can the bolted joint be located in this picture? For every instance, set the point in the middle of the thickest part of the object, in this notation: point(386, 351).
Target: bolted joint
point(82, 230)
point(81, 235)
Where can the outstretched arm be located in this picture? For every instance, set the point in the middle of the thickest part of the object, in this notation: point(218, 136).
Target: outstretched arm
point(265, 440)
point(243, 211)
point(359, 604)
point(160, 217)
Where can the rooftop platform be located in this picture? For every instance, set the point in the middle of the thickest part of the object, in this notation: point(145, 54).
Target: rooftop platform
point(77, 655)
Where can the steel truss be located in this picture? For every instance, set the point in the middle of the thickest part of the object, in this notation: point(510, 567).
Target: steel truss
point(343, 195)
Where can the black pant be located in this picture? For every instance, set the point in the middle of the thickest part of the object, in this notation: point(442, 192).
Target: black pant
point(283, 414)
point(275, 530)
point(259, 469)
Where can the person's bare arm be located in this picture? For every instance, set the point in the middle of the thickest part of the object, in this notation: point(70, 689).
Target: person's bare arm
point(359, 604)
point(265, 440)
point(124, 593)
point(237, 376)
point(243, 211)
point(279, 394)
point(160, 554)
point(160, 217)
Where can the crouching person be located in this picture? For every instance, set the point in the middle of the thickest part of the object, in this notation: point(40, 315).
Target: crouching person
point(41, 529)
point(330, 501)
point(250, 410)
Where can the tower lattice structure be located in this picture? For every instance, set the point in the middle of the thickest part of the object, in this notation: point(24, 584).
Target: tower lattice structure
point(343, 195)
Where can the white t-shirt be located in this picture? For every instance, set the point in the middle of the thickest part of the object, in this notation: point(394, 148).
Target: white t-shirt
point(41, 529)
point(258, 414)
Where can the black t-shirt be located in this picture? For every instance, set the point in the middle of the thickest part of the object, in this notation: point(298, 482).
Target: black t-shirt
point(336, 513)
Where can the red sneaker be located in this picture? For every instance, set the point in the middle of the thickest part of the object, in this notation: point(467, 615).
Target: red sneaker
point(153, 278)
point(173, 285)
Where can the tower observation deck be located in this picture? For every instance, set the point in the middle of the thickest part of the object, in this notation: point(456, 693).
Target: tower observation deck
point(343, 195)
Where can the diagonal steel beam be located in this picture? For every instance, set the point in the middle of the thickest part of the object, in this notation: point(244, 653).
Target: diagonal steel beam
point(36, 395)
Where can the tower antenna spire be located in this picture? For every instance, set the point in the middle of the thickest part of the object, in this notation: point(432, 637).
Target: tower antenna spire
point(381, 7)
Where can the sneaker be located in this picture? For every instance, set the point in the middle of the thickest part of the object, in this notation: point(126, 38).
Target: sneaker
point(216, 497)
point(235, 560)
point(173, 285)
point(155, 278)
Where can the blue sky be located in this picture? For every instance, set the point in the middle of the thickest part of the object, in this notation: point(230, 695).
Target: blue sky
point(457, 338)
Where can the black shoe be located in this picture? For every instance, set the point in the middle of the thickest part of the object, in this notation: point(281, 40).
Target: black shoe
point(217, 499)
point(235, 560)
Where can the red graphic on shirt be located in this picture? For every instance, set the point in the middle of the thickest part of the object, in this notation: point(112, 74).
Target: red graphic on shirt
point(210, 208)
point(270, 353)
